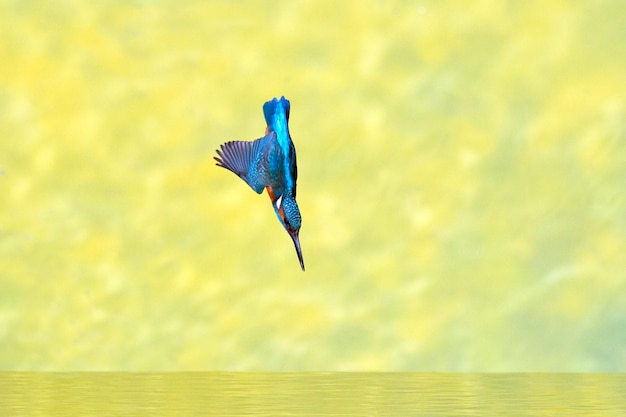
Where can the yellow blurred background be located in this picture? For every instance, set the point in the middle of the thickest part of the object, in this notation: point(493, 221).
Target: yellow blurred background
point(462, 182)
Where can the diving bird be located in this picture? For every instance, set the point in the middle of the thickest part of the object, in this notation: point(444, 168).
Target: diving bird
point(269, 163)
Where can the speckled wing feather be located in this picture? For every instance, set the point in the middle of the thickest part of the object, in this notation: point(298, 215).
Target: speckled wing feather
point(239, 157)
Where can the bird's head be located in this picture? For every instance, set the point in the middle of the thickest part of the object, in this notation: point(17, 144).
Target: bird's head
point(289, 215)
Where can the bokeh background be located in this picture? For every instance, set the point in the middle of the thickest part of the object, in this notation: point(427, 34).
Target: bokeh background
point(462, 179)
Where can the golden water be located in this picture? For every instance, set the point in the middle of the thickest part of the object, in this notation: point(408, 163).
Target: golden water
point(462, 178)
point(312, 394)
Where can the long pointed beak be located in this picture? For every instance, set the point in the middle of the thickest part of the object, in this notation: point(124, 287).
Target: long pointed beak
point(296, 242)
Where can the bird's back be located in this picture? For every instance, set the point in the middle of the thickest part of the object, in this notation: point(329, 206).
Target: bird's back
point(276, 114)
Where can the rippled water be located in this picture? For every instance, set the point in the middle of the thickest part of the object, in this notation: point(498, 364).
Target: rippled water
point(461, 181)
point(323, 394)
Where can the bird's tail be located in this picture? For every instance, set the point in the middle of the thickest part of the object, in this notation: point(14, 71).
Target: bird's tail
point(273, 106)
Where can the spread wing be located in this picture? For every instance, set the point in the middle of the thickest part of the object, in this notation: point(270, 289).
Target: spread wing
point(244, 159)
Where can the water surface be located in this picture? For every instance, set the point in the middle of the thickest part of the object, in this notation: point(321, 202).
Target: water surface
point(320, 394)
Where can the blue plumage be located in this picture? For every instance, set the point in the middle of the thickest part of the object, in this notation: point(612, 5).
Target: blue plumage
point(270, 163)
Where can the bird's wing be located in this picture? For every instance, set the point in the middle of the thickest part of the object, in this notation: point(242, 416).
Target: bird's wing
point(239, 157)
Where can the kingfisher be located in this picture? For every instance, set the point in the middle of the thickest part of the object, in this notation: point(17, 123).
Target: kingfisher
point(270, 163)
